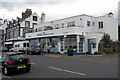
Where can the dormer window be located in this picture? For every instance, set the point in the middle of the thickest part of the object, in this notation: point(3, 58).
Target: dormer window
point(34, 18)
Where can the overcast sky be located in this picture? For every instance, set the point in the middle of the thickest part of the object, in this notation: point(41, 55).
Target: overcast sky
point(56, 9)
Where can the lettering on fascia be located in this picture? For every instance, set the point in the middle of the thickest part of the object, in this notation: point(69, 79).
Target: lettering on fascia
point(45, 34)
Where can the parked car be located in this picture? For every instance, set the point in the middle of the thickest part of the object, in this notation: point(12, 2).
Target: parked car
point(22, 46)
point(35, 50)
point(13, 61)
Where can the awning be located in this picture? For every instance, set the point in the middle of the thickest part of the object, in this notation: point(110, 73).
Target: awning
point(8, 43)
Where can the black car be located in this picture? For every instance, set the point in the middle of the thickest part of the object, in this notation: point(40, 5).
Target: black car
point(35, 50)
point(13, 61)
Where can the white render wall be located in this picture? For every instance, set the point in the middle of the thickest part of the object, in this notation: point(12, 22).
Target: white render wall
point(77, 20)
point(110, 26)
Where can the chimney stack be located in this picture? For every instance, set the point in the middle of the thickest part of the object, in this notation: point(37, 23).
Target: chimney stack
point(26, 14)
point(42, 17)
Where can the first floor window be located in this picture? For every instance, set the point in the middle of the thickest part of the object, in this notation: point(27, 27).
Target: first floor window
point(27, 24)
point(88, 23)
point(34, 24)
point(71, 24)
point(100, 24)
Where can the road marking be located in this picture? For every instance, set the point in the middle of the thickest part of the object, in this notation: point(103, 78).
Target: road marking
point(33, 63)
point(67, 71)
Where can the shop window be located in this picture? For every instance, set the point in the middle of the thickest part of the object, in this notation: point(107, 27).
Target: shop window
point(70, 41)
point(81, 44)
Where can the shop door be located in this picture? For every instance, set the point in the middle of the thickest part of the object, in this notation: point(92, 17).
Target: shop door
point(89, 45)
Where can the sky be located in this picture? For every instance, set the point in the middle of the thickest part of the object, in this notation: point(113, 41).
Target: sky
point(57, 9)
point(119, 13)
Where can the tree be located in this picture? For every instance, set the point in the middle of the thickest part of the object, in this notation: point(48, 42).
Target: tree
point(106, 38)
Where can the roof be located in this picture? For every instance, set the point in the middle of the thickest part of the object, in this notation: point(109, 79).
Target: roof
point(71, 17)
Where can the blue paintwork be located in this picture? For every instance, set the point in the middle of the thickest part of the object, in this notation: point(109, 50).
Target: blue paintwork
point(75, 53)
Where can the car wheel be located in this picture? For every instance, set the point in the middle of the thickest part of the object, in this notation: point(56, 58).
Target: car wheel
point(6, 71)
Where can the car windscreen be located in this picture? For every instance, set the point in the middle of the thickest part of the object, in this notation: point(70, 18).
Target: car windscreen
point(18, 56)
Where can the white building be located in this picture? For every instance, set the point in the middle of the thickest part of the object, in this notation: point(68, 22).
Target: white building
point(82, 32)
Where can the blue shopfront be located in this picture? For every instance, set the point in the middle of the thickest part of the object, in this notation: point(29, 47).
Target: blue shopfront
point(60, 44)
point(91, 44)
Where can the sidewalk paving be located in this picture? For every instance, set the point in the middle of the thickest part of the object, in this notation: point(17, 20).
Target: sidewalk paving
point(62, 55)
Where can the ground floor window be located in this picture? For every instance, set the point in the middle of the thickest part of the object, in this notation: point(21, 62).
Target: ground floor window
point(71, 41)
point(59, 43)
point(81, 44)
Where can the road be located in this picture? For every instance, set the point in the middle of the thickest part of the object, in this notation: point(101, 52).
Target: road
point(62, 66)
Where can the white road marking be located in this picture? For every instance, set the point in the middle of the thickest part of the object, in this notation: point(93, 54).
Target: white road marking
point(33, 63)
point(67, 71)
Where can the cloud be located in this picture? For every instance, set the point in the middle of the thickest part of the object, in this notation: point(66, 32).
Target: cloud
point(55, 9)
point(11, 5)
point(119, 13)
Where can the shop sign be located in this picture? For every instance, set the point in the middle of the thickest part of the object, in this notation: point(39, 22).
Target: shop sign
point(45, 34)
